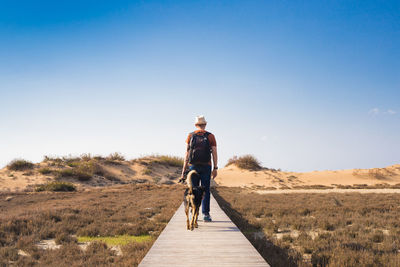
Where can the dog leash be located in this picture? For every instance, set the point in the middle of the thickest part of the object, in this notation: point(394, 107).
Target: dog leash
point(182, 180)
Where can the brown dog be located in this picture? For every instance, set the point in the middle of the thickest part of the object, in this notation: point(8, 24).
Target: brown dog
point(192, 199)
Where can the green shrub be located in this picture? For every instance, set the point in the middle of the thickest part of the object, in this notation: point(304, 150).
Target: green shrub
point(73, 164)
point(147, 171)
point(170, 160)
point(86, 157)
point(45, 170)
point(20, 165)
point(65, 173)
point(247, 162)
point(83, 176)
point(116, 156)
point(50, 158)
point(56, 187)
point(75, 173)
point(83, 171)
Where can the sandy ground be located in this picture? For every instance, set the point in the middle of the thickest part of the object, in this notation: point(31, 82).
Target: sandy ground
point(233, 176)
point(11, 181)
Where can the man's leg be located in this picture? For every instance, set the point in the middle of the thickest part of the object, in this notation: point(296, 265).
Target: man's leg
point(205, 181)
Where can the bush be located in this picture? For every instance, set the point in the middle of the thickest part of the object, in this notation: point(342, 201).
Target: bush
point(170, 160)
point(75, 173)
point(56, 187)
point(51, 158)
point(83, 171)
point(147, 171)
point(377, 237)
point(64, 238)
point(116, 156)
point(20, 165)
point(45, 170)
point(247, 162)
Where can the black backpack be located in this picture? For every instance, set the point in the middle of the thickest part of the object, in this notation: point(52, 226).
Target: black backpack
point(199, 149)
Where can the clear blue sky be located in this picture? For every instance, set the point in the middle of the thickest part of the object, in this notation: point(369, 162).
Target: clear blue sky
point(302, 85)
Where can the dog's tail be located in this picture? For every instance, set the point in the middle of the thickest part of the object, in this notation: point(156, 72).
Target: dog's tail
point(189, 180)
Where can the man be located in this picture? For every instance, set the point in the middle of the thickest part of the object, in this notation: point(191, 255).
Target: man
point(200, 146)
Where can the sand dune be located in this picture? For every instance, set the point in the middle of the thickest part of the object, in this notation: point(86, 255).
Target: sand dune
point(233, 176)
point(152, 170)
point(143, 170)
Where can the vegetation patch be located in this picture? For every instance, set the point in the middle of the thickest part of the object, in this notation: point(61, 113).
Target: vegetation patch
point(314, 186)
point(115, 240)
point(114, 158)
point(45, 170)
point(56, 187)
point(147, 171)
point(20, 165)
point(366, 186)
point(81, 170)
point(246, 162)
point(135, 213)
point(169, 160)
point(330, 229)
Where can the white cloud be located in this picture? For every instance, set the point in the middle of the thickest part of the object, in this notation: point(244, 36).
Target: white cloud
point(374, 111)
point(264, 138)
point(390, 112)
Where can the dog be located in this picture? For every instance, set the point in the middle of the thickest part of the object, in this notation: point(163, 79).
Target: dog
point(192, 199)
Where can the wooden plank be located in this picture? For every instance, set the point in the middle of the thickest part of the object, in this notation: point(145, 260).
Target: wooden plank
point(216, 243)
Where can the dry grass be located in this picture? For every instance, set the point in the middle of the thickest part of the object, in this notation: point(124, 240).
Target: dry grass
point(313, 186)
point(56, 187)
point(129, 210)
point(330, 229)
point(20, 165)
point(80, 168)
point(166, 160)
point(366, 186)
point(116, 156)
point(169, 160)
point(247, 162)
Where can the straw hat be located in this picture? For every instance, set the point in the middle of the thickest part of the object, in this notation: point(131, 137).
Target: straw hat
point(200, 120)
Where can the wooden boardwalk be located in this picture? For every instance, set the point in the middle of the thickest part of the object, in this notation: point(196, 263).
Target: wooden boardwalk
point(217, 243)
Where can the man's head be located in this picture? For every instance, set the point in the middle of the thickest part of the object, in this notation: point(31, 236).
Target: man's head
point(200, 122)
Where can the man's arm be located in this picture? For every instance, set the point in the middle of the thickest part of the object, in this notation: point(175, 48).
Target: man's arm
point(185, 163)
point(215, 161)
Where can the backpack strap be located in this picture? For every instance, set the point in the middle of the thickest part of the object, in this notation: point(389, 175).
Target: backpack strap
point(192, 134)
point(206, 134)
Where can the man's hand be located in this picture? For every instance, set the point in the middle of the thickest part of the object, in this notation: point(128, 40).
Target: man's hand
point(214, 173)
point(182, 180)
